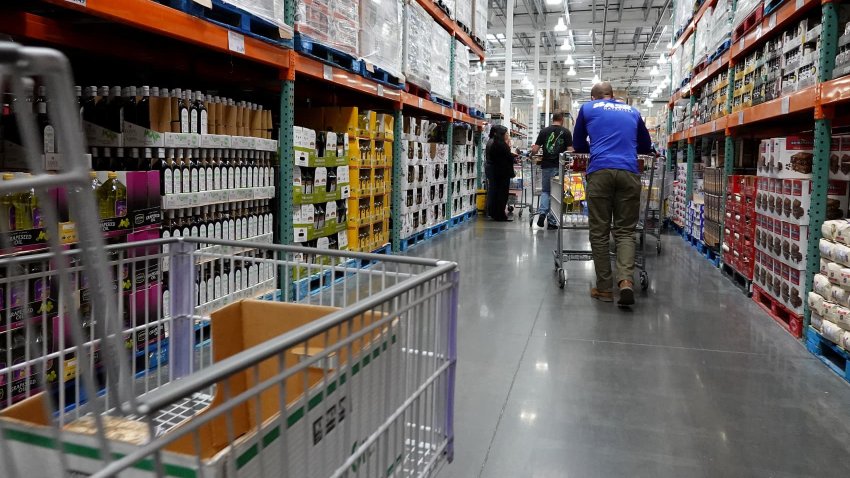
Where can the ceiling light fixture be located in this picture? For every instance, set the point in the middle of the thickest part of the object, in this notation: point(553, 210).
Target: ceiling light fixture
point(566, 45)
point(552, 3)
point(560, 26)
point(500, 36)
point(569, 61)
point(662, 59)
point(653, 71)
point(595, 79)
point(571, 71)
point(493, 73)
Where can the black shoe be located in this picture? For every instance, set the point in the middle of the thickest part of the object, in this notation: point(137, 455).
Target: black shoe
point(540, 219)
point(551, 227)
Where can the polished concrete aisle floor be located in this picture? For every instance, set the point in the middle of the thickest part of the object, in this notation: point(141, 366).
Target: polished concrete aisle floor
point(696, 381)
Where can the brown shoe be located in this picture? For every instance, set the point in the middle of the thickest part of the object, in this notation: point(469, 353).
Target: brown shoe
point(603, 295)
point(627, 293)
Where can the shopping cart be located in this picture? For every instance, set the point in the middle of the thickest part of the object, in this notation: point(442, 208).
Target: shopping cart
point(532, 169)
point(654, 181)
point(518, 199)
point(567, 197)
point(135, 372)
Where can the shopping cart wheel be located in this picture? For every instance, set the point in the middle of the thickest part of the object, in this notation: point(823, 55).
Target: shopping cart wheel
point(644, 280)
point(562, 278)
point(658, 248)
point(520, 213)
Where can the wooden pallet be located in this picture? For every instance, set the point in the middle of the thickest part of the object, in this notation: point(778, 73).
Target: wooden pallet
point(835, 357)
point(754, 18)
point(376, 73)
point(740, 280)
point(441, 101)
point(476, 113)
point(327, 54)
point(788, 320)
point(417, 90)
point(231, 17)
point(413, 240)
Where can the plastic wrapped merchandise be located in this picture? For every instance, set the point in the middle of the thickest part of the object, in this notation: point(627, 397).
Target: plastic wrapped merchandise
point(441, 42)
point(682, 14)
point(463, 13)
point(461, 73)
point(833, 272)
point(478, 87)
point(743, 9)
point(822, 286)
point(380, 34)
point(827, 249)
point(842, 232)
point(417, 46)
point(332, 23)
point(721, 25)
point(270, 10)
point(832, 331)
point(817, 322)
point(702, 34)
point(479, 20)
point(816, 302)
point(676, 67)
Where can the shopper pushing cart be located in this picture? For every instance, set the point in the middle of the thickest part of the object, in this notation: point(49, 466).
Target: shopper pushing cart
point(616, 134)
point(551, 142)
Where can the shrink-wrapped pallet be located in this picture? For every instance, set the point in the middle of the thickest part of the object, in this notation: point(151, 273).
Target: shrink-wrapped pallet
point(380, 34)
point(463, 13)
point(477, 87)
point(461, 73)
point(417, 45)
point(441, 42)
point(269, 10)
point(479, 20)
point(333, 23)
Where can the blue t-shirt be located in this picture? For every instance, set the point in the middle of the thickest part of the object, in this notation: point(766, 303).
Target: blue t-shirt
point(616, 132)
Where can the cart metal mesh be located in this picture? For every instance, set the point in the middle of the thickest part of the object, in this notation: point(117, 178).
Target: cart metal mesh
point(143, 359)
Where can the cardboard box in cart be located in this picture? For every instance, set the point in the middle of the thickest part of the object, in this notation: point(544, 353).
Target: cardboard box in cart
point(315, 436)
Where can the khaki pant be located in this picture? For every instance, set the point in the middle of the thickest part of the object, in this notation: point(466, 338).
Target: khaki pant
point(613, 206)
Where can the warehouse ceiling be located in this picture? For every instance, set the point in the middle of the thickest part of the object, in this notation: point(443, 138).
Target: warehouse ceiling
point(619, 40)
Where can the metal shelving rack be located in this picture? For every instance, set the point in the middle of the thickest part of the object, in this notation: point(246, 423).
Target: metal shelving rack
point(154, 18)
point(821, 100)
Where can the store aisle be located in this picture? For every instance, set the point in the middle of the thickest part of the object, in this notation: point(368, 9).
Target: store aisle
point(696, 381)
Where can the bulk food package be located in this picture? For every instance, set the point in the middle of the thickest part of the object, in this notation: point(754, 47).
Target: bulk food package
point(380, 34)
point(479, 20)
point(270, 10)
point(331, 22)
point(461, 73)
point(417, 45)
point(829, 302)
point(441, 42)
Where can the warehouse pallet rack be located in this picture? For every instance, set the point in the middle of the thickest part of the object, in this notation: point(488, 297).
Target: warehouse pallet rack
point(99, 28)
point(816, 107)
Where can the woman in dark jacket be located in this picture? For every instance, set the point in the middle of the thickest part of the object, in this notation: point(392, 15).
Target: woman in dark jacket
point(499, 169)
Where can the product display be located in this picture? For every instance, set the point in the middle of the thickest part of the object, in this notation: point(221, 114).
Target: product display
point(479, 20)
point(462, 90)
point(441, 42)
point(417, 45)
point(830, 298)
point(381, 34)
point(425, 186)
point(331, 22)
point(739, 233)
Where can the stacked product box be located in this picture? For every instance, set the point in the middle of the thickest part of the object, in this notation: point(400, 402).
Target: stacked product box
point(463, 14)
point(743, 9)
point(703, 33)
point(270, 10)
point(334, 23)
point(424, 181)
point(416, 64)
point(479, 21)
point(842, 60)
point(364, 140)
point(739, 226)
point(721, 26)
point(679, 205)
point(829, 301)
point(713, 186)
point(461, 73)
point(381, 34)
point(478, 87)
point(782, 224)
point(464, 171)
point(711, 104)
point(695, 220)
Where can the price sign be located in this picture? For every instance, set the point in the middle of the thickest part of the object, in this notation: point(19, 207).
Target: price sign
point(740, 117)
point(420, 102)
point(380, 90)
point(786, 105)
point(799, 4)
point(771, 22)
point(327, 72)
point(235, 42)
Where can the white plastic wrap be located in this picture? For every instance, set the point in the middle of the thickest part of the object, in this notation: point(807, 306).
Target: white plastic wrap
point(479, 20)
point(676, 67)
point(682, 14)
point(702, 34)
point(721, 25)
point(270, 10)
point(461, 73)
point(417, 45)
point(463, 13)
point(743, 9)
point(380, 34)
point(478, 87)
point(330, 22)
point(441, 43)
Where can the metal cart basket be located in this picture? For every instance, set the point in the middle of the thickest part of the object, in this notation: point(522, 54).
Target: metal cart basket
point(567, 194)
point(142, 359)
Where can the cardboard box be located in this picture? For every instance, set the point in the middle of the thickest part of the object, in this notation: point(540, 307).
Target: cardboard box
point(787, 157)
point(790, 199)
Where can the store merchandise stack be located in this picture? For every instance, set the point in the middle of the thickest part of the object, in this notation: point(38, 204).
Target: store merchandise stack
point(782, 226)
point(829, 302)
point(739, 229)
point(679, 205)
point(713, 194)
point(464, 174)
point(424, 182)
point(695, 221)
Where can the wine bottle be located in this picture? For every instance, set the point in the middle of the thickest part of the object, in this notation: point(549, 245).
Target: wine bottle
point(143, 109)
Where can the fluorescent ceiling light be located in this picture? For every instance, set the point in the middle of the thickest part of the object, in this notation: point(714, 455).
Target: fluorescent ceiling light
point(595, 79)
point(571, 71)
point(500, 36)
point(653, 71)
point(560, 26)
point(569, 61)
point(490, 36)
point(662, 60)
point(590, 34)
point(552, 3)
point(493, 73)
point(566, 45)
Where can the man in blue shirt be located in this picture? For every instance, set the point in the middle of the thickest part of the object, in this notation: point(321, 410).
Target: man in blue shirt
point(617, 135)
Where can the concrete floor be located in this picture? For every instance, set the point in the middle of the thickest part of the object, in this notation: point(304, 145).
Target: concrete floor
point(696, 381)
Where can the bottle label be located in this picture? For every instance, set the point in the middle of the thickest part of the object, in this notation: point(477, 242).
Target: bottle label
point(240, 229)
point(237, 181)
point(210, 181)
point(202, 294)
point(228, 230)
point(211, 290)
point(195, 180)
point(49, 139)
point(217, 231)
point(168, 185)
point(37, 218)
point(193, 121)
point(166, 303)
point(245, 173)
point(217, 287)
point(120, 208)
point(269, 224)
point(216, 179)
point(184, 121)
point(239, 279)
point(231, 178)
point(187, 181)
point(202, 179)
point(194, 231)
point(202, 231)
point(204, 122)
point(268, 175)
point(178, 181)
point(255, 177)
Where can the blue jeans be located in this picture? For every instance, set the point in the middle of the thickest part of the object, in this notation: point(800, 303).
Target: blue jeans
point(548, 174)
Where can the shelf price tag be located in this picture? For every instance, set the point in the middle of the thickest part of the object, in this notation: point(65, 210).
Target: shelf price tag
point(741, 45)
point(236, 42)
point(714, 125)
point(380, 90)
point(758, 32)
point(420, 102)
point(799, 4)
point(327, 72)
point(81, 3)
point(771, 22)
point(786, 105)
point(442, 110)
point(740, 117)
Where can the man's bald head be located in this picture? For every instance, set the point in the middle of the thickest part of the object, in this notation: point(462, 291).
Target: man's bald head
point(601, 91)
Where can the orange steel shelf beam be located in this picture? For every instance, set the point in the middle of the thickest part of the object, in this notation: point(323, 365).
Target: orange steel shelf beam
point(156, 18)
point(710, 71)
point(776, 21)
point(835, 91)
point(321, 71)
point(795, 102)
point(452, 27)
point(693, 24)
